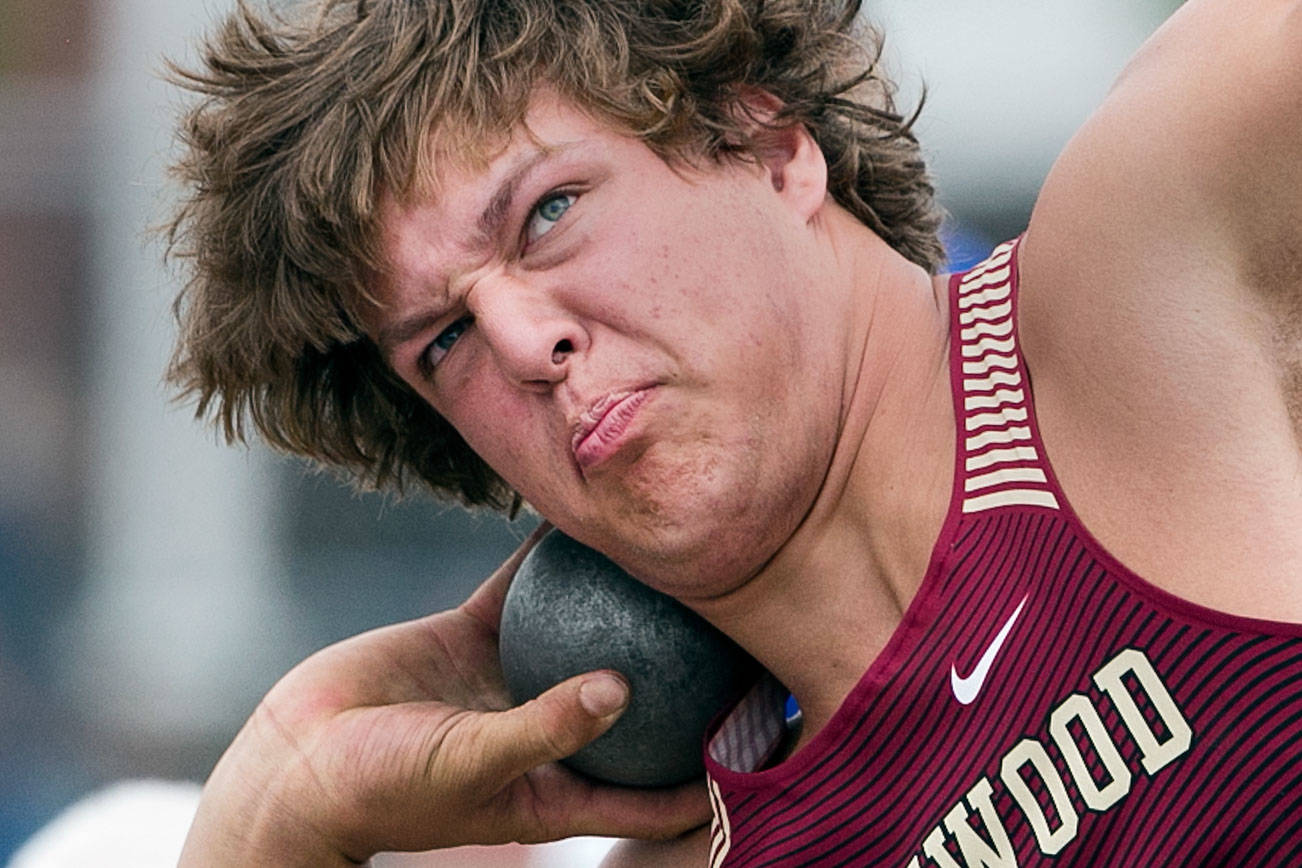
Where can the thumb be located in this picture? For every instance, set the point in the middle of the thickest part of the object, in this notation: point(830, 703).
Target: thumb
point(555, 724)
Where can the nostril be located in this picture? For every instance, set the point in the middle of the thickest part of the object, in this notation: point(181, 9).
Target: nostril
point(562, 349)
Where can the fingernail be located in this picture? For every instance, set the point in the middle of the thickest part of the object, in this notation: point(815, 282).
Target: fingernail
point(603, 695)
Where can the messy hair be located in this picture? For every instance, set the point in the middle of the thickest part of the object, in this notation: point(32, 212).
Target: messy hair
point(304, 119)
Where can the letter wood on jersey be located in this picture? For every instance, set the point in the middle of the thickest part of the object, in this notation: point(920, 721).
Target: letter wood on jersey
point(972, 833)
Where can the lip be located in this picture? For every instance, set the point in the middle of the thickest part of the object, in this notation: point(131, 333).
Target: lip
point(600, 431)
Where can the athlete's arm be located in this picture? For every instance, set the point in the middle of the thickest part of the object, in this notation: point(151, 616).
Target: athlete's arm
point(1199, 146)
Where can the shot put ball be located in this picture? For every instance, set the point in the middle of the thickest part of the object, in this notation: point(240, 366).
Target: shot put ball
point(571, 610)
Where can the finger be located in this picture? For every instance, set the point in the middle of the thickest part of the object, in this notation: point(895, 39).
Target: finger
point(627, 812)
point(565, 804)
point(485, 604)
point(554, 725)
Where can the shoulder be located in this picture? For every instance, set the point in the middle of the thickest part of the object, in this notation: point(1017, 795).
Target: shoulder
point(1161, 274)
point(691, 849)
point(1174, 216)
point(1197, 147)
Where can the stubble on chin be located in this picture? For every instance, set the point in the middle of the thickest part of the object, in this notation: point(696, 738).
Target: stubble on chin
point(694, 524)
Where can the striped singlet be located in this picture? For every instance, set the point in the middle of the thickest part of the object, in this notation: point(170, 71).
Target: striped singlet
point(1039, 703)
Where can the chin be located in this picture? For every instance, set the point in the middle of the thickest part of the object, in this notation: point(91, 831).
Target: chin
point(699, 547)
point(697, 522)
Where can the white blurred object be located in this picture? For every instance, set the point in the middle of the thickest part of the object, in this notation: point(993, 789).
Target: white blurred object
point(135, 824)
point(571, 853)
point(143, 824)
point(181, 626)
point(1008, 82)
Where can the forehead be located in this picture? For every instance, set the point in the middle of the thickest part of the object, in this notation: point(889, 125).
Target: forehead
point(456, 164)
point(468, 181)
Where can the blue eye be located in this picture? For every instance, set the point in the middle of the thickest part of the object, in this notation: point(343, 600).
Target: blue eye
point(440, 346)
point(547, 213)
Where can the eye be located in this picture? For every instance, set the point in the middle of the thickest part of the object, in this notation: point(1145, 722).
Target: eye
point(440, 346)
point(547, 213)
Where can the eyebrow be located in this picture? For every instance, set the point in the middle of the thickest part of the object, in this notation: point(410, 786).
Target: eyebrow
point(494, 215)
point(399, 333)
point(487, 229)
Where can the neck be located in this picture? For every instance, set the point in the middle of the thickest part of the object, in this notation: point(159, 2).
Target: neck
point(827, 602)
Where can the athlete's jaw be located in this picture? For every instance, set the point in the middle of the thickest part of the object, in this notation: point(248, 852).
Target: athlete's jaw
point(608, 425)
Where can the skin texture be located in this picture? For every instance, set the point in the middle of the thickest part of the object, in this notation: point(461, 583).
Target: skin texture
point(788, 463)
point(1176, 382)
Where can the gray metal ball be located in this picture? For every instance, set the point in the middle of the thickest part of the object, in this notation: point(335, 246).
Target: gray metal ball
point(571, 610)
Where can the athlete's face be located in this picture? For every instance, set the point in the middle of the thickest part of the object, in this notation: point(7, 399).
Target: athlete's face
point(643, 353)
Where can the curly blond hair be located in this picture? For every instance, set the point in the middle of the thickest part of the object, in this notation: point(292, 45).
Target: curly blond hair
point(302, 119)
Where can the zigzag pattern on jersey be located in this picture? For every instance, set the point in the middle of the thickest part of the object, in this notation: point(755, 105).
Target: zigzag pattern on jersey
point(720, 830)
point(1001, 465)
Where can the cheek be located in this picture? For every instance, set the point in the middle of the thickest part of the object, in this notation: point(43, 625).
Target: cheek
point(483, 421)
point(674, 289)
point(512, 436)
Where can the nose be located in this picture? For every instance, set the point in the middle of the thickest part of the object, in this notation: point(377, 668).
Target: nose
point(532, 335)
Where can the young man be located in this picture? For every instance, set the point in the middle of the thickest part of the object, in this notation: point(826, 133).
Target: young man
point(666, 269)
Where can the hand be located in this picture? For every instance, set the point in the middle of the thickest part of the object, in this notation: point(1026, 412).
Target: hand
point(403, 738)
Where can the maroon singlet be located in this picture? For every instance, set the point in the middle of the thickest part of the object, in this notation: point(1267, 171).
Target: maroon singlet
point(1039, 703)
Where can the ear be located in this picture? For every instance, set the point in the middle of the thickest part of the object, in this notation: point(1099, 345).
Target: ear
point(795, 163)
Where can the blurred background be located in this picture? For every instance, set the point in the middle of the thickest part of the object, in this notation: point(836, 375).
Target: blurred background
point(154, 583)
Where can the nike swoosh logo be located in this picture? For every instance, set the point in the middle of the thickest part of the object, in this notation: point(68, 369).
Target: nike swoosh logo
point(966, 688)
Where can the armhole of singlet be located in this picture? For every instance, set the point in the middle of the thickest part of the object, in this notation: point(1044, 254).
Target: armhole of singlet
point(1017, 474)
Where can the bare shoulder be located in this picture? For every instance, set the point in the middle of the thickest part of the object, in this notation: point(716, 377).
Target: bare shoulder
point(691, 849)
point(1197, 146)
point(1161, 309)
point(1179, 202)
